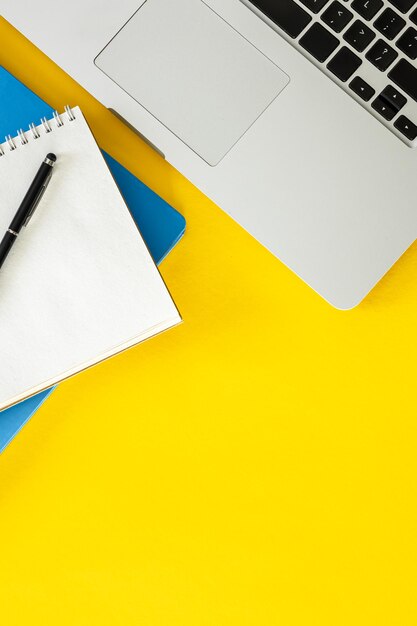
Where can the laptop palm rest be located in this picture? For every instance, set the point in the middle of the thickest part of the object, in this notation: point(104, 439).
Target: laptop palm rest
point(193, 72)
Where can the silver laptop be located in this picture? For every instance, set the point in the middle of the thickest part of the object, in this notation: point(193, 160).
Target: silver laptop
point(297, 117)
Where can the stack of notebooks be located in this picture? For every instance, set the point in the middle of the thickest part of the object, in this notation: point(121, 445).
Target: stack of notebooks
point(81, 283)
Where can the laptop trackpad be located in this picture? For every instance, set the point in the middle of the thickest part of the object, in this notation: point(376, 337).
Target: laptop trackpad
point(193, 72)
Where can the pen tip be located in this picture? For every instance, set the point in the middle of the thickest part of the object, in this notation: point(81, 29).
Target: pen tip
point(51, 157)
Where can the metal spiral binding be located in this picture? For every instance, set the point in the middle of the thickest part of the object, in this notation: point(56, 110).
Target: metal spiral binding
point(48, 126)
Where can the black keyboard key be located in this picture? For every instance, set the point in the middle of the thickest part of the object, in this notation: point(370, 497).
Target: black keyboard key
point(407, 128)
point(362, 89)
point(344, 64)
point(393, 97)
point(413, 16)
point(383, 108)
point(337, 16)
point(389, 23)
point(314, 5)
point(359, 36)
point(404, 75)
point(403, 5)
point(286, 14)
point(319, 42)
point(408, 43)
point(381, 55)
point(367, 8)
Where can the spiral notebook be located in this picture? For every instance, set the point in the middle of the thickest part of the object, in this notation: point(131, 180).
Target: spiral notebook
point(160, 224)
point(79, 285)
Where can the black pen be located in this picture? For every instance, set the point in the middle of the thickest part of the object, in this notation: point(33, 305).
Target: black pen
point(28, 206)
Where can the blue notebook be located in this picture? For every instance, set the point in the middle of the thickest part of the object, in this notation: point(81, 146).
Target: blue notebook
point(161, 225)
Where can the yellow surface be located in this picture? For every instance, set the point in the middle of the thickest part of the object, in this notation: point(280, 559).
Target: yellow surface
point(255, 466)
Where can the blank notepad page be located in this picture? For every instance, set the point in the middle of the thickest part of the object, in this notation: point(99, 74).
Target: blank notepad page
point(79, 284)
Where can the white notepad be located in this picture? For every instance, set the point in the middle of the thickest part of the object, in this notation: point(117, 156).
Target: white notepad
point(79, 284)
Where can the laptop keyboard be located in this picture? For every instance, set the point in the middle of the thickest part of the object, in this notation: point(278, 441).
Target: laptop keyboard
point(368, 47)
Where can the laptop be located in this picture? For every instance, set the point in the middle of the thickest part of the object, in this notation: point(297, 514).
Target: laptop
point(297, 117)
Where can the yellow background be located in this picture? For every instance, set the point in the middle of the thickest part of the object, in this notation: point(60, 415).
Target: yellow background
point(255, 466)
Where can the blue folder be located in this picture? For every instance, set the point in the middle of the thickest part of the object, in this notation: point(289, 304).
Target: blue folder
point(161, 225)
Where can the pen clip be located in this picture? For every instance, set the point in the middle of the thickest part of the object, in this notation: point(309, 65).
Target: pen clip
point(38, 198)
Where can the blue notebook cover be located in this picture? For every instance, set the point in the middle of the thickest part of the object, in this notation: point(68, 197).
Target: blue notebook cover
point(161, 225)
